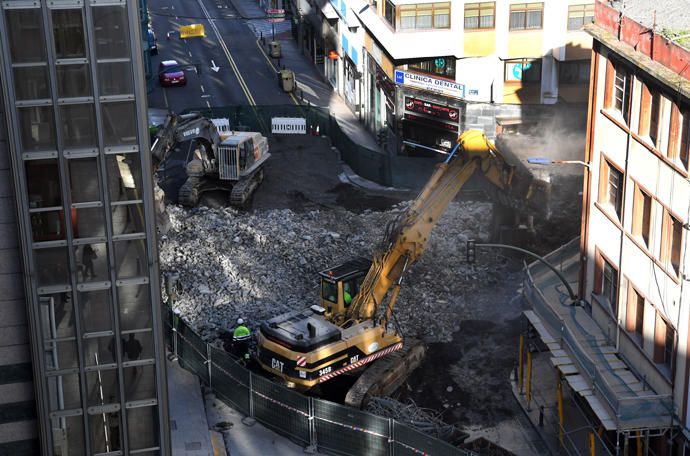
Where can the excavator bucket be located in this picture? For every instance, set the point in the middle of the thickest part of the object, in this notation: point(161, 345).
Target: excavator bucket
point(191, 31)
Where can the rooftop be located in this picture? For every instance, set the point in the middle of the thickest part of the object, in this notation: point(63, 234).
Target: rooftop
point(671, 18)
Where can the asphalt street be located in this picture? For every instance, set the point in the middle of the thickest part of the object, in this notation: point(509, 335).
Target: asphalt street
point(244, 75)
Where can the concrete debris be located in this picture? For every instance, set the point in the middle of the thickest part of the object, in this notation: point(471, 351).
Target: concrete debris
point(257, 265)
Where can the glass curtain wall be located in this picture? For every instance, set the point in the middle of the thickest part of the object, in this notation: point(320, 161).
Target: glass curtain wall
point(78, 149)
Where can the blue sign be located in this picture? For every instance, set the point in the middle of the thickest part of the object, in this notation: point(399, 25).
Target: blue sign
point(399, 77)
point(519, 69)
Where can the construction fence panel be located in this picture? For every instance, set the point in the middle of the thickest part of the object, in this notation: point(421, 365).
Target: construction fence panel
point(409, 441)
point(344, 430)
point(230, 380)
point(371, 164)
point(281, 409)
point(191, 350)
point(167, 315)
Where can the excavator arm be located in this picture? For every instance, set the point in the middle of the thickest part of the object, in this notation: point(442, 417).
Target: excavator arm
point(407, 236)
point(179, 128)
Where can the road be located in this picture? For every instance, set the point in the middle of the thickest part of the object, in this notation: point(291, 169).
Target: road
point(244, 75)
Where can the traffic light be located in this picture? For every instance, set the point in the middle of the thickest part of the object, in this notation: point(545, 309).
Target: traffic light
point(471, 252)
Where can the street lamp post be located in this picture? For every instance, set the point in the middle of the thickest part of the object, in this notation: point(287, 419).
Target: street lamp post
point(471, 256)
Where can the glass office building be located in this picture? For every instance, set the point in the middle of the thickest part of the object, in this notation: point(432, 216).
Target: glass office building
point(75, 108)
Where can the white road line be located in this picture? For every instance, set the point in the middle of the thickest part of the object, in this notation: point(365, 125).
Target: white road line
point(202, 87)
point(190, 53)
point(208, 104)
point(165, 98)
point(240, 79)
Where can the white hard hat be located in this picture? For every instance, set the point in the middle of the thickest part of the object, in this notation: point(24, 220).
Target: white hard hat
point(240, 321)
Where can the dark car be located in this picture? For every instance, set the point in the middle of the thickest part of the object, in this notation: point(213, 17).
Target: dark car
point(170, 73)
point(153, 43)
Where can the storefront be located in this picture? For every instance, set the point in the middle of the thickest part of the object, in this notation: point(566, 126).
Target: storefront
point(331, 65)
point(428, 124)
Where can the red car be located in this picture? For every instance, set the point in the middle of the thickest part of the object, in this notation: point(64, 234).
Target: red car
point(170, 73)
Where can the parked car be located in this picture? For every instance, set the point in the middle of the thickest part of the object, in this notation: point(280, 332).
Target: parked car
point(153, 43)
point(170, 73)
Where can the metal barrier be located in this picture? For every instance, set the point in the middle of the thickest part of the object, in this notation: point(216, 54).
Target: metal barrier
point(308, 421)
point(368, 163)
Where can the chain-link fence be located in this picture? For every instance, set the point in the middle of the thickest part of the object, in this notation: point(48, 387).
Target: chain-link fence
point(371, 164)
point(308, 421)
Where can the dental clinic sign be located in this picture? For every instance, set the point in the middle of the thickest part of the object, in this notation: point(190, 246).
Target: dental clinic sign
point(424, 82)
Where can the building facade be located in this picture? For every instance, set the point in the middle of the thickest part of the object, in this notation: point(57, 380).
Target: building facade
point(83, 283)
point(619, 348)
point(637, 194)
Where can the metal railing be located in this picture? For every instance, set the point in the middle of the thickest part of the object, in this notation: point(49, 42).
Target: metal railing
point(629, 411)
point(308, 421)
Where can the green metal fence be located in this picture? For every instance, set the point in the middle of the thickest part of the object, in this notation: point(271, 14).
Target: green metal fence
point(308, 421)
point(371, 164)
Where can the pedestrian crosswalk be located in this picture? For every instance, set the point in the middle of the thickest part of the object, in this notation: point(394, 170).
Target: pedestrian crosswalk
point(262, 27)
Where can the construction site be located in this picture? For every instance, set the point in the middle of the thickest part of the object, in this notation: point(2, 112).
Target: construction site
point(269, 259)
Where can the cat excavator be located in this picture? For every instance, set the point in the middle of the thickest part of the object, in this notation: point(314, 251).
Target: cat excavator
point(219, 160)
point(352, 327)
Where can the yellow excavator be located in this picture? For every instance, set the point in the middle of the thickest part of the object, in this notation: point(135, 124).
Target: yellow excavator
point(352, 326)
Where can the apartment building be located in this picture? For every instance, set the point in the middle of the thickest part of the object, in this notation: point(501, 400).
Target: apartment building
point(637, 209)
point(82, 366)
point(415, 66)
point(623, 349)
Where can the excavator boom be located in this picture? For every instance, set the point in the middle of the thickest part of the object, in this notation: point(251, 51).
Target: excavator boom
point(407, 237)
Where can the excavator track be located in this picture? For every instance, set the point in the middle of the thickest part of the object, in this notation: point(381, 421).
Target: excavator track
point(386, 374)
point(188, 194)
point(242, 191)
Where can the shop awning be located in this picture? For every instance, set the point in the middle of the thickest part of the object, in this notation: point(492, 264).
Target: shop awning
point(329, 12)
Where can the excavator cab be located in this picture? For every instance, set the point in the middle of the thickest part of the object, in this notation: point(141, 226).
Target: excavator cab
point(340, 285)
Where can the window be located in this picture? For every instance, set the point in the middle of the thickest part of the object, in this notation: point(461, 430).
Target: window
point(37, 128)
point(73, 80)
point(31, 82)
point(111, 31)
point(115, 78)
point(610, 285)
point(679, 134)
point(672, 234)
point(664, 342)
point(611, 187)
point(579, 15)
point(480, 15)
point(606, 281)
point(654, 117)
point(25, 30)
point(439, 66)
point(635, 314)
point(526, 16)
point(78, 125)
point(389, 12)
point(576, 72)
point(685, 138)
point(617, 89)
point(425, 16)
point(650, 114)
point(329, 291)
point(642, 215)
point(119, 123)
point(68, 32)
point(523, 70)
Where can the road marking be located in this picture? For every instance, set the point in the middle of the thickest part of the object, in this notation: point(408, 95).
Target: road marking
point(202, 87)
point(208, 104)
point(165, 98)
point(294, 100)
point(214, 67)
point(226, 51)
point(190, 53)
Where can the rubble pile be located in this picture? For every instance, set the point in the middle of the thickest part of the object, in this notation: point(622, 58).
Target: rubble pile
point(422, 419)
point(258, 265)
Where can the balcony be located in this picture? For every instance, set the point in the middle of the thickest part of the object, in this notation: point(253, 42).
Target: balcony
point(585, 354)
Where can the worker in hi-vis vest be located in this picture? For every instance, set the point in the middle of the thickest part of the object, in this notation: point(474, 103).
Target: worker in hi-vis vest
point(241, 338)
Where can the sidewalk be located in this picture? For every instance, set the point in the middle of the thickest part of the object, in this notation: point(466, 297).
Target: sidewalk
point(195, 418)
point(310, 82)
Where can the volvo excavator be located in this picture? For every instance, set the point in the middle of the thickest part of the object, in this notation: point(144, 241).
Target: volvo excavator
point(219, 160)
point(352, 327)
